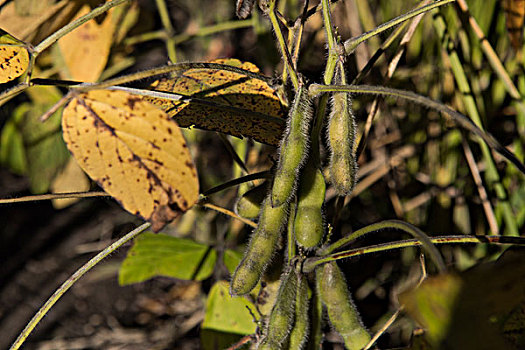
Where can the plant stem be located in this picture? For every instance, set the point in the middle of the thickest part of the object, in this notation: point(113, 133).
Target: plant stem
point(228, 213)
point(50, 40)
point(72, 280)
point(331, 40)
point(44, 197)
point(156, 35)
point(213, 29)
point(390, 72)
point(463, 121)
point(352, 43)
point(282, 45)
point(255, 176)
point(311, 263)
point(8, 94)
point(169, 69)
point(390, 224)
point(168, 28)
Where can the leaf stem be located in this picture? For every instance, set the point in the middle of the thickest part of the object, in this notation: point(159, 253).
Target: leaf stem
point(333, 55)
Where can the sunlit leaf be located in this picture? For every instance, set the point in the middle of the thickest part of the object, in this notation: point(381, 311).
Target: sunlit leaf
point(134, 151)
point(515, 16)
point(255, 109)
point(14, 57)
point(226, 313)
point(483, 308)
point(86, 49)
point(161, 255)
point(34, 27)
point(31, 7)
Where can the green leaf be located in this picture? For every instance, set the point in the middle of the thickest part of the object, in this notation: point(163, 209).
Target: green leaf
point(231, 259)
point(162, 255)
point(228, 314)
point(12, 152)
point(482, 308)
point(43, 153)
point(45, 150)
point(213, 340)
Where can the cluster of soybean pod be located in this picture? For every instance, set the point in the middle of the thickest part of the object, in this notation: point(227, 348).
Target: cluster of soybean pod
point(294, 204)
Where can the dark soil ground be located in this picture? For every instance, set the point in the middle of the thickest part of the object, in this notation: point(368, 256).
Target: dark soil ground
point(46, 247)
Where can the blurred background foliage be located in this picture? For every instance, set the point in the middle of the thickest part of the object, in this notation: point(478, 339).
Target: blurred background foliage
point(416, 166)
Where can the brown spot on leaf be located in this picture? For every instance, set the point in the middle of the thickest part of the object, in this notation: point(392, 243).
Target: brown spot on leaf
point(161, 216)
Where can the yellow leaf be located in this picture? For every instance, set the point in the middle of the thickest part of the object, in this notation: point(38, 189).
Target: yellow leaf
point(134, 151)
point(86, 49)
point(255, 112)
point(14, 57)
point(34, 28)
point(31, 7)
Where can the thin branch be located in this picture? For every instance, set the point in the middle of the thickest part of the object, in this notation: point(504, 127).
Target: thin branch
point(229, 213)
point(72, 280)
point(49, 196)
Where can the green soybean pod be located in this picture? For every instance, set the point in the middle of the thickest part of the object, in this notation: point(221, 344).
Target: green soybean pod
point(309, 222)
point(293, 149)
point(249, 203)
point(282, 316)
point(342, 312)
point(260, 249)
point(299, 333)
point(341, 141)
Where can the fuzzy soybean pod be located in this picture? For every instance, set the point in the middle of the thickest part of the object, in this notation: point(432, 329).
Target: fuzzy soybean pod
point(299, 334)
point(249, 203)
point(293, 149)
point(342, 312)
point(260, 249)
point(341, 141)
point(282, 315)
point(309, 222)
